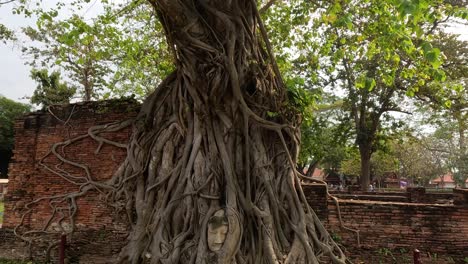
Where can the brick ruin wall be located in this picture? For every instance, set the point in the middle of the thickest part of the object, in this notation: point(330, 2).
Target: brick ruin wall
point(35, 135)
point(397, 220)
point(430, 228)
point(436, 228)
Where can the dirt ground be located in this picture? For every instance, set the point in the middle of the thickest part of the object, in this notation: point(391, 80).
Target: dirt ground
point(402, 256)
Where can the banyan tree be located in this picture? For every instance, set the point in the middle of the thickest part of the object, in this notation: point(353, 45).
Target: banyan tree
point(210, 172)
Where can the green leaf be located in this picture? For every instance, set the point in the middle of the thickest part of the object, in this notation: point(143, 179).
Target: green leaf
point(427, 47)
point(407, 8)
point(396, 58)
point(360, 82)
point(433, 57)
point(370, 84)
point(439, 75)
point(448, 104)
point(272, 114)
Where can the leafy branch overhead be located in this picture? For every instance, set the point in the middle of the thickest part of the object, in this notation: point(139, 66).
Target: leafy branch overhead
point(120, 52)
point(6, 34)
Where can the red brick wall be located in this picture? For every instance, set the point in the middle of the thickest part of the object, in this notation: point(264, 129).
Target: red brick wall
point(430, 227)
point(316, 196)
point(35, 135)
point(435, 228)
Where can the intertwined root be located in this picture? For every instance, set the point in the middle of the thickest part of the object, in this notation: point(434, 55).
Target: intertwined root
point(177, 175)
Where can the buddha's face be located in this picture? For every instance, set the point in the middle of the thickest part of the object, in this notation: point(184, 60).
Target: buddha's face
point(217, 230)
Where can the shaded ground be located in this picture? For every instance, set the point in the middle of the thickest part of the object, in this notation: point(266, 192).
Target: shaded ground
point(6, 261)
point(13, 256)
point(358, 256)
point(401, 256)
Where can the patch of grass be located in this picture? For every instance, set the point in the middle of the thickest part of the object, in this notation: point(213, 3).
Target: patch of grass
point(336, 237)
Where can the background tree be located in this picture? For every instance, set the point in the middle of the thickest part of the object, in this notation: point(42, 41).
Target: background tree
point(9, 111)
point(118, 53)
point(376, 53)
point(50, 90)
point(351, 164)
point(286, 24)
point(417, 162)
point(443, 146)
point(381, 164)
point(72, 45)
point(447, 109)
point(324, 138)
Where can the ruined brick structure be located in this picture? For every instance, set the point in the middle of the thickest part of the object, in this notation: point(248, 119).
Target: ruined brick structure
point(436, 228)
point(36, 133)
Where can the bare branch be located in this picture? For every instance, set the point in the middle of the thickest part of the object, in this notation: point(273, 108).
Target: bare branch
point(396, 110)
point(266, 6)
point(6, 2)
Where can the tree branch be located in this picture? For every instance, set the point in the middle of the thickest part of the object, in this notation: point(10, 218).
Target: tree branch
point(266, 6)
point(6, 2)
point(390, 109)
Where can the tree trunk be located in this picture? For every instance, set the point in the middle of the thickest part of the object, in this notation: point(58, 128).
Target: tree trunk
point(204, 154)
point(463, 154)
point(365, 153)
point(461, 134)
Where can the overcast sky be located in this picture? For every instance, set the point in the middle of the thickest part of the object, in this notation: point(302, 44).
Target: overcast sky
point(14, 75)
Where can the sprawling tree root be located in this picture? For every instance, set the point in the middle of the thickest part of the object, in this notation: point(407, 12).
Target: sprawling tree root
point(338, 208)
point(64, 206)
point(84, 181)
point(203, 141)
point(218, 133)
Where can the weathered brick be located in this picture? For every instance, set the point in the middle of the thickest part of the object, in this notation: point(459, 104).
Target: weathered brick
point(439, 228)
point(35, 135)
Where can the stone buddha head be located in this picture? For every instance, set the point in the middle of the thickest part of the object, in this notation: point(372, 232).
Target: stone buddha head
point(218, 227)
